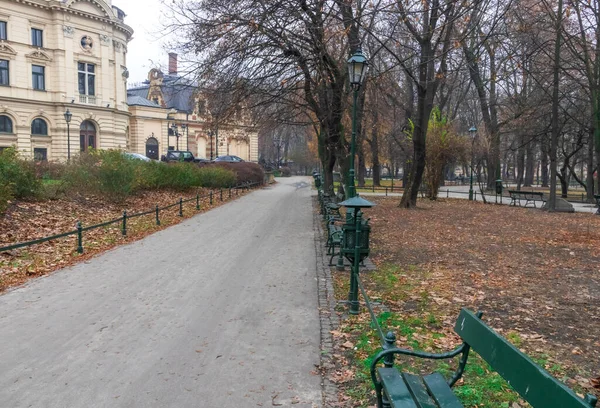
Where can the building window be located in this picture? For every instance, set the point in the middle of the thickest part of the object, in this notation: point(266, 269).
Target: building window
point(40, 154)
point(37, 38)
point(3, 31)
point(5, 124)
point(4, 79)
point(38, 77)
point(86, 78)
point(39, 127)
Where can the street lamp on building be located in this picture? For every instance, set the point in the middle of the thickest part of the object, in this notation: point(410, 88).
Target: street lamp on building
point(175, 132)
point(473, 133)
point(357, 71)
point(68, 116)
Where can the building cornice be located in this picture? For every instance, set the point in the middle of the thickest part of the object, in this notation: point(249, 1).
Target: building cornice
point(65, 7)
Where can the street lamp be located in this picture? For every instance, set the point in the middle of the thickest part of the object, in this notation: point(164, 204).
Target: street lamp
point(68, 116)
point(357, 71)
point(184, 130)
point(355, 245)
point(473, 133)
point(210, 135)
point(175, 133)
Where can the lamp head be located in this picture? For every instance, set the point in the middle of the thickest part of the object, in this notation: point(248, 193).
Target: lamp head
point(68, 116)
point(357, 68)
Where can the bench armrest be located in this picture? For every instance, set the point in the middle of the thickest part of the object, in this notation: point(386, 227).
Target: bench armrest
point(462, 349)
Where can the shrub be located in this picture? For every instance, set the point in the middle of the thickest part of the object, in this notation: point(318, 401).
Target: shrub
point(6, 195)
point(17, 176)
point(46, 170)
point(245, 172)
point(106, 172)
point(216, 177)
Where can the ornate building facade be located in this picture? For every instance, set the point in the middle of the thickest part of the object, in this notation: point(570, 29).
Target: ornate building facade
point(63, 89)
point(169, 112)
point(58, 56)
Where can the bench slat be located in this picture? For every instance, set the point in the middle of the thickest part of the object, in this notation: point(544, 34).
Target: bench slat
point(418, 391)
point(533, 383)
point(395, 388)
point(441, 391)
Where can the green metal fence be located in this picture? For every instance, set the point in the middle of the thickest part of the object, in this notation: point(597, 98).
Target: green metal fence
point(80, 229)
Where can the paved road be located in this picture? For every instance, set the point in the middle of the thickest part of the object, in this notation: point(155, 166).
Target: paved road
point(219, 311)
point(462, 192)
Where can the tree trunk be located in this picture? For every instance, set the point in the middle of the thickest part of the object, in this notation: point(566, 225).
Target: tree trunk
point(555, 107)
point(544, 162)
point(362, 167)
point(530, 165)
point(520, 165)
point(590, 169)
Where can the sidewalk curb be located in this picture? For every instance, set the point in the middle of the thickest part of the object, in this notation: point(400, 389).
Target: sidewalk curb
point(328, 317)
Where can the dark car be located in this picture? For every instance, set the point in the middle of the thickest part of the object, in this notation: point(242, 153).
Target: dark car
point(180, 156)
point(229, 158)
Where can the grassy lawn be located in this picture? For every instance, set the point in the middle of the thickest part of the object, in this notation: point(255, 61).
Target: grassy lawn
point(534, 275)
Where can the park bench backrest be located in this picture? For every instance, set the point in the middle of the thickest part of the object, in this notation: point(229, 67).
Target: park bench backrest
point(533, 383)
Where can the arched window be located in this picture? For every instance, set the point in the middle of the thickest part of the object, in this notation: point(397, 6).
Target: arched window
point(5, 124)
point(87, 136)
point(39, 127)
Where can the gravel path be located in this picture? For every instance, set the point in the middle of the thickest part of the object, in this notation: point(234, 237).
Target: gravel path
point(218, 311)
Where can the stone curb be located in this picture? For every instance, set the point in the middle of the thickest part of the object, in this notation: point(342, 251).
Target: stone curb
point(328, 317)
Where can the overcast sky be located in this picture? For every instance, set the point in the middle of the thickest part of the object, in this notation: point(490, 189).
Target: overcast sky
point(145, 50)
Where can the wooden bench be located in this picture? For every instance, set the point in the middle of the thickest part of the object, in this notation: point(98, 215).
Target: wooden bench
point(533, 383)
point(597, 197)
point(529, 196)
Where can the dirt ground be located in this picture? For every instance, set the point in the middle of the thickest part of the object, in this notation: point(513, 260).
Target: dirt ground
point(25, 221)
point(533, 273)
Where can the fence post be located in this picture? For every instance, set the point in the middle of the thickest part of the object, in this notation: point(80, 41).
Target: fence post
point(373, 187)
point(392, 184)
point(474, 195)
point(181, 207)
point(79, 237)
point(229, 192)
point(386, 191)
point(221, 191)
point(211, 197)
point(157, 219)
point(447, 193)
point(198, 202)
point(124, 229)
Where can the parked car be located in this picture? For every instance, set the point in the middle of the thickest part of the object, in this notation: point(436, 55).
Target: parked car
point(229, 158)
point(180, 156)
point(136, 156)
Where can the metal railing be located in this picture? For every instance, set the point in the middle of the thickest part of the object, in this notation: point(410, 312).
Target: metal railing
point(80, 229)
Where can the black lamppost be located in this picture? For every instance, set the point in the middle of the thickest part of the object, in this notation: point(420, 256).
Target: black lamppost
point(184, 130)
point(175, 132)
point(357, 71)
point(473, 133)
point(210, 135)
point(68, 116)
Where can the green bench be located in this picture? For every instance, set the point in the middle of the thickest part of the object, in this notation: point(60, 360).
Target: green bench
point(334, 240)
point(597, 197)
point(533, 383)
point(529, 196)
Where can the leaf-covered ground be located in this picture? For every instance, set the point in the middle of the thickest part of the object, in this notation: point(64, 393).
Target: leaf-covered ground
point(26, 221)
point(535, 275)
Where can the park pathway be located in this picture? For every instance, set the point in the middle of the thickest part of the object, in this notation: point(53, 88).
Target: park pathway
point(218, 311)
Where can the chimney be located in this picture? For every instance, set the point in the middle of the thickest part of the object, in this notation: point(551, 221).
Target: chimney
point(172, 63)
